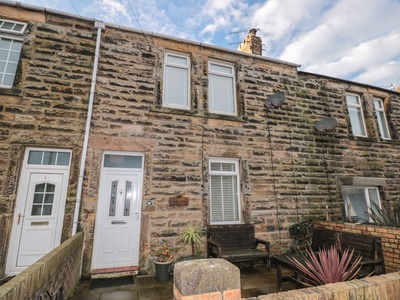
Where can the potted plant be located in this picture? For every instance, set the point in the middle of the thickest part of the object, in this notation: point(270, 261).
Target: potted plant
point(162, 253)
point(192, 236)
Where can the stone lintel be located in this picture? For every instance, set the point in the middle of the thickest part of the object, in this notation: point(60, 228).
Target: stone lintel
point(362, 181)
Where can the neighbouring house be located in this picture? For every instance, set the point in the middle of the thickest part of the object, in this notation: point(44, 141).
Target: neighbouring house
point(130, 136)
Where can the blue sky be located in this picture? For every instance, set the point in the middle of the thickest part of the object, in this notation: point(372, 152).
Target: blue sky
point(357, 40)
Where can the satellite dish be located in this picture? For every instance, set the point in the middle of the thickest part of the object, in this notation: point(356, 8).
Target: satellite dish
point(275, 100)
point(326, 125)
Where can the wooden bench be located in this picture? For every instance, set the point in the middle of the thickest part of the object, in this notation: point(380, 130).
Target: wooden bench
point(236, 243)
point(320, 238)
point(324, 238)
point(370, 247)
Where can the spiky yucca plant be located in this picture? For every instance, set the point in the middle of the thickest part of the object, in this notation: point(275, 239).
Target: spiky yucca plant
point(327, 266)
point(191, 236)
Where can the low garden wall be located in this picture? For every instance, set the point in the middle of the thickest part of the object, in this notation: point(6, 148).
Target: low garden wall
point(218, 279)
point(56, 273)
point(383, 287)
point(390, 239)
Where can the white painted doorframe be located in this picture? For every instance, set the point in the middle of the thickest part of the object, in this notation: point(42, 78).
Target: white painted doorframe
point(117, 236)
point(48, 227)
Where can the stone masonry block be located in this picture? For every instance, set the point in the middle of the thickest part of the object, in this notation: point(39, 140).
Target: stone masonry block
point(205, 276)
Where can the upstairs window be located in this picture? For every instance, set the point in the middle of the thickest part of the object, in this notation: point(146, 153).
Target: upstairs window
point(356, 115)
point(381, 117)
point(224, 191)
point(221, 88)
point(358, 201)
point(176, 81)
point(10, 49)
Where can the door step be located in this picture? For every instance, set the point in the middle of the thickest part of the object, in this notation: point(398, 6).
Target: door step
point(114, 272)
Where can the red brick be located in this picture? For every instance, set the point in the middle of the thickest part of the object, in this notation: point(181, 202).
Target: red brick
point(231, 295)
point(208, 296)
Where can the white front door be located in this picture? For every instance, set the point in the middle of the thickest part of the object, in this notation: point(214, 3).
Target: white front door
point(116, 240)
point(39, 210)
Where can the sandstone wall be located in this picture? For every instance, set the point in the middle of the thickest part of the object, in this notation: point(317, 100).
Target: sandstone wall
point(47, 106)
point(289, 170)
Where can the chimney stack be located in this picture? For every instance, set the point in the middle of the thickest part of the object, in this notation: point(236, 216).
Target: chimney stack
point(251, 43)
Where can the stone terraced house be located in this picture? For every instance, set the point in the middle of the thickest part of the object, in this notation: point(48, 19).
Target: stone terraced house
point(130, 136)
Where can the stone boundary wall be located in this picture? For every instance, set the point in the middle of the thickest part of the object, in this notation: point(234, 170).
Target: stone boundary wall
point(61, 268)
point(381, 287)
point(390, 239)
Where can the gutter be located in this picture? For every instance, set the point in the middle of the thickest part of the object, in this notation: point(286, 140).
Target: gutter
point(100, 26)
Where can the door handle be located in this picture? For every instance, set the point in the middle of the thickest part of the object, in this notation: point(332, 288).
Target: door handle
point(19, 217)
point(137, 214)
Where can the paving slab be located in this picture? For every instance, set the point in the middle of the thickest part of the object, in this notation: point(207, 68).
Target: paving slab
point(255, 281)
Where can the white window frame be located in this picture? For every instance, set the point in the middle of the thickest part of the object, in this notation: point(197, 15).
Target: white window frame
point(366, 198)
point(21, 31)
point(186, 67)
point(226, 173)
point(231, 76)
point(357, 107)
point(381, 119)
point(13, 35)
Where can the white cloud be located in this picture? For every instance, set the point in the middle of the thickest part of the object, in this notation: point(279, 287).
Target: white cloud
point(110, 10)
point(280, 21)
point(351, 38)
point(212, 28)
point(381, 75)
point(222, 16)
point(370, 53)
point(340, 29)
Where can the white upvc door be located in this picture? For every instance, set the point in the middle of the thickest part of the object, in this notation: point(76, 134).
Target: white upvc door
point(39, 210)
point(117, 233)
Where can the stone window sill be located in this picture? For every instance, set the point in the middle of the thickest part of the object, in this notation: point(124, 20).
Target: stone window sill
point(195, 113)
point(13, 91)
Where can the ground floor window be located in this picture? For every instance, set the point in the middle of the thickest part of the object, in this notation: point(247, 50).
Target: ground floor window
point(224, 191)
point(359, 201)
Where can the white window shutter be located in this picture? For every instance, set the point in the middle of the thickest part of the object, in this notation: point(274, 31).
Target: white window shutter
point(224, 190)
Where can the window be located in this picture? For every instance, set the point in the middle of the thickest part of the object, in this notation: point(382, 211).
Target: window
point(358, 201)
point(122, 161)
point(356, 115)
point(221, 88)
point(380, 115)
point(224, 191)
point(50, 158)
point(43, 199)
point(176, 81)
point(10, 49)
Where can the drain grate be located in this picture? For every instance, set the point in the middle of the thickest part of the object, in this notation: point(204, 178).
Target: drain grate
point(108, 282)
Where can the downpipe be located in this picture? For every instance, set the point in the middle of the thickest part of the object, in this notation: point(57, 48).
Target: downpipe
point(100, 26)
